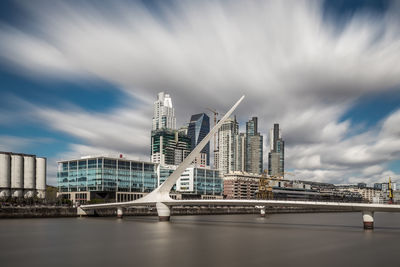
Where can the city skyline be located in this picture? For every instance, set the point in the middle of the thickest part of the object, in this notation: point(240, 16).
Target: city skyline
point(330, 79)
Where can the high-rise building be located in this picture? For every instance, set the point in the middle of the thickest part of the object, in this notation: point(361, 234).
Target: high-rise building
point(254, 148)
point(169, 147)
point(198, 128)
point(163, 113)
point(276, 157)
point(241, 153)
point(227, 146)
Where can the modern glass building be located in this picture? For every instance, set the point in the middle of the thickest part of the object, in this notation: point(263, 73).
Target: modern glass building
point(199, 127)
point(200, 182)
point(105, 178)
point(169, 147)
point(109, 179)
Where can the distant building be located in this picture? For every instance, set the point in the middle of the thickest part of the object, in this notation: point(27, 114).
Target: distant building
point(163, 113)
point(169, 147)
point(254, 148)
point(22, 175)
point(200, 183)
point(378, 186)
point(241, 150)
point(227, 146)
point(276, 157)
point(384, 192)
point(239, 185)
point(368, 194)
point(198, 128)
point(361, 185)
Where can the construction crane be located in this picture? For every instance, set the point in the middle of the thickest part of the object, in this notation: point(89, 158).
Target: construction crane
point(390, 189)
point(264, 188)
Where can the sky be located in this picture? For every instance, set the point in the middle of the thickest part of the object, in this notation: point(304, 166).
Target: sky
point(80, 77)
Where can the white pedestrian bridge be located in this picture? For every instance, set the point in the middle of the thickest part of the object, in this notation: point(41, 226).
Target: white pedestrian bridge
point(163, 202)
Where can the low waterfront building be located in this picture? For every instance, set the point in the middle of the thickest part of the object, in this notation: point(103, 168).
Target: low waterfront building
point(282, 189)
point(200, 183)
point(368, 194)
point(241, 185)
point(109, 179)
point(105, 178)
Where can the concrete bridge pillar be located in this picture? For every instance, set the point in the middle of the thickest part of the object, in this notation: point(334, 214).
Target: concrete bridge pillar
point(120, 213)
point(368, 219)
point(163, 211)
point(262, 212)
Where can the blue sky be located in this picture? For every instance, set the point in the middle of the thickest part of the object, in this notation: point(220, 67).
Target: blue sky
point(79, 78)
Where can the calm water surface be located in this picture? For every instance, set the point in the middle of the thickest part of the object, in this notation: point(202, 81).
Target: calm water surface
point(319, 239)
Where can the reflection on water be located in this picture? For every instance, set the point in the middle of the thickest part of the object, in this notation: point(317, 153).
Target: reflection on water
point(324, 239)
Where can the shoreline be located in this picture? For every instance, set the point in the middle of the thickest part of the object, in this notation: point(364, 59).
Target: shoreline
point(62, 212)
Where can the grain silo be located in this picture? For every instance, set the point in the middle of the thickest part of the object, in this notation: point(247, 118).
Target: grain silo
point(41, 177)
point(17, 175)
point(5, 174)
point(29, 176)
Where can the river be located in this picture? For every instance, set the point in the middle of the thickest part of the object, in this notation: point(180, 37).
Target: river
point(313, 239)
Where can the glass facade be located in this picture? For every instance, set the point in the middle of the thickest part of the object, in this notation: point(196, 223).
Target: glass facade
point(207, 182)
point(169, 146)
point(102, 174)
point(199, 127)
point(200, 181)
point(106, 174)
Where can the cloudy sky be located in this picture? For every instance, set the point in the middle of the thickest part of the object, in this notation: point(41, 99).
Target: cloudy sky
point(80, 78)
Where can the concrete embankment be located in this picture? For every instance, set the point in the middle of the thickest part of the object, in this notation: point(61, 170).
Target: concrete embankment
point(206, 210)
point(48, 212)
point(37, 212)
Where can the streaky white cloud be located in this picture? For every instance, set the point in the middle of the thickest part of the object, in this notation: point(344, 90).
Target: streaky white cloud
point(294, 66)
point(16, 144)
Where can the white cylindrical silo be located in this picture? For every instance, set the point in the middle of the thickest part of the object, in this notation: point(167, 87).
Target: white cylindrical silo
point(5, 175)
point(17, 175)
point(41, 177)
point(29, 176)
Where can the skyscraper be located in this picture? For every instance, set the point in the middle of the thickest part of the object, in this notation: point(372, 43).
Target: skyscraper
point(199, 127)
point(169, 147)
point(276, 157)
point(254, 148)
point(241, 152)
point(163, 113)
point(227, 146)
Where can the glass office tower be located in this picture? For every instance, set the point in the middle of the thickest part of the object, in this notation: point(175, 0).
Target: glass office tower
point(199, 127)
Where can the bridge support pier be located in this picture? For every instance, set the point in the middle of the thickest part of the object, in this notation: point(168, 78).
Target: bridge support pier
point(163, 211)
point(262, 212)
point(368, 219)
point(120, 213)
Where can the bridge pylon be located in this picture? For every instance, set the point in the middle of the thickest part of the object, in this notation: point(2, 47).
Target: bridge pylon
point(368, 219)
point(164, 212)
